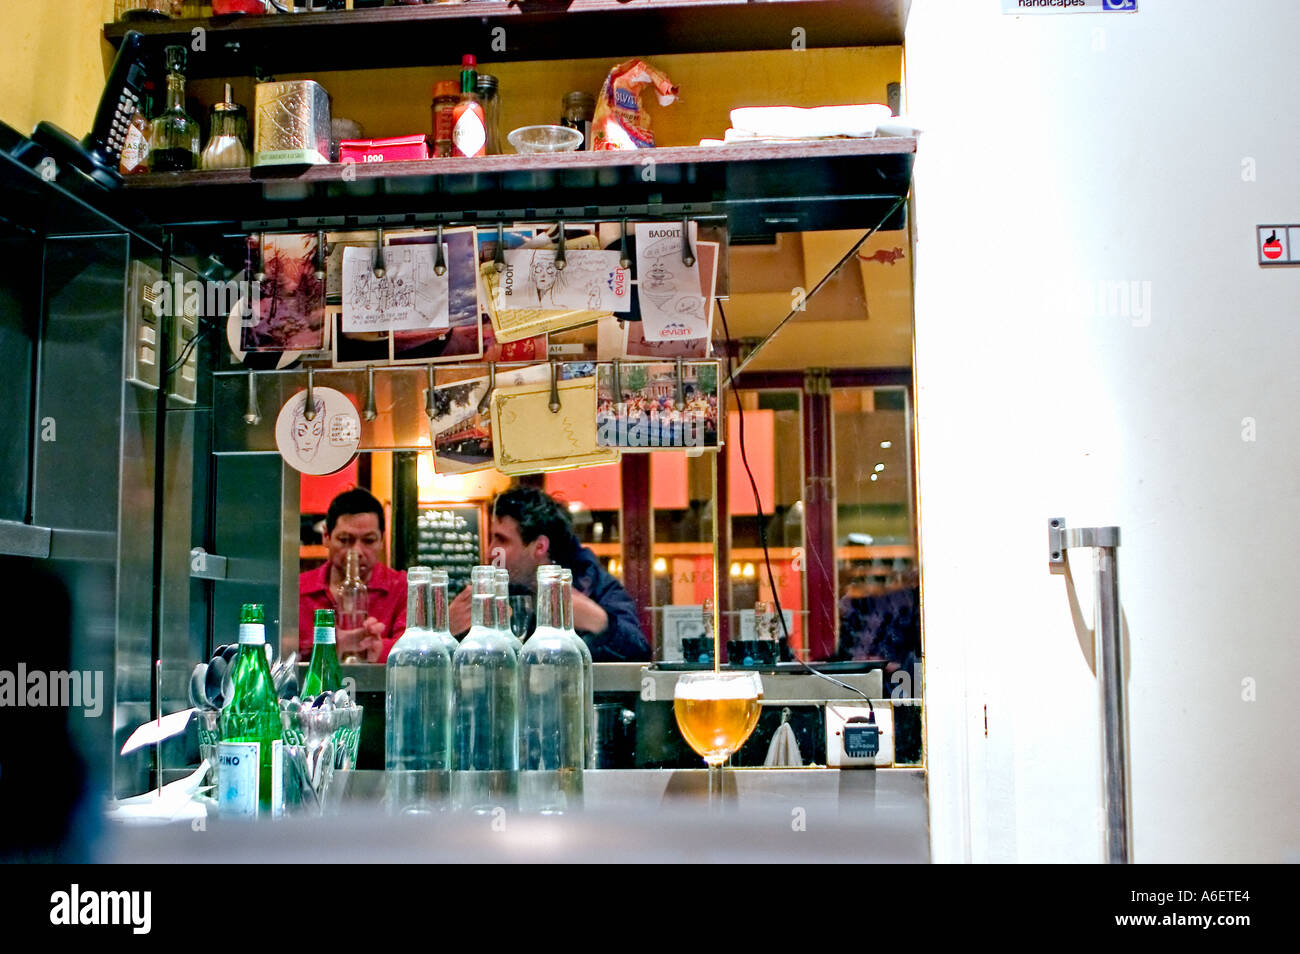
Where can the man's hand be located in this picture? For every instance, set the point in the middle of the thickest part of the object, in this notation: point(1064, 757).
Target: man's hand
point(366, 642)
point(372, 642)
point(460, 611)
point(587, 614)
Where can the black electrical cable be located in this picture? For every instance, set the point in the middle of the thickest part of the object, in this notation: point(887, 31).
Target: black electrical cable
point(762, 524)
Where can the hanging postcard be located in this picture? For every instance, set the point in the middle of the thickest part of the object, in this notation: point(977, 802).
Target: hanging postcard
point(635, 344)
point(668, 290)
point(591, 280)
point(461, 424)
point(410, 296)
point(530, 438)
point(646, 406)
point(523, 320)
point(290, 310)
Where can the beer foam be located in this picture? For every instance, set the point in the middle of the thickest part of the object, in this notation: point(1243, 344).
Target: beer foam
point(714, 689)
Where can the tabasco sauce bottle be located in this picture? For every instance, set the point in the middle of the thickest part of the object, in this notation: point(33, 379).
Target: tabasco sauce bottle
point(469, 122)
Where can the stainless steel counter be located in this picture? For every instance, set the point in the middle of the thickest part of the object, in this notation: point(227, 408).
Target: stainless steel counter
point(660, 816)
point(653, 684)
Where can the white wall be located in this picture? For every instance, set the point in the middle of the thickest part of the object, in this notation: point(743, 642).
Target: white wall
point(1067, 152)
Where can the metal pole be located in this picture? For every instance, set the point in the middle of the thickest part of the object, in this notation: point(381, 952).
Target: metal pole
point(1108, 652)
point(1114, 706)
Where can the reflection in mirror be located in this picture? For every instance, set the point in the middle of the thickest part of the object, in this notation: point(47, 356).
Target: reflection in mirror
point(878, 579)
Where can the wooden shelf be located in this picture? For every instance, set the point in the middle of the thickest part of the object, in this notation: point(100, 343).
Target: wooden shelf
point(761, 188)
point(438, 34)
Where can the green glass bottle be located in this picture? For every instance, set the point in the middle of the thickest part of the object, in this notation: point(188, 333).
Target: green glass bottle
point(324, 674)
point(249, 773)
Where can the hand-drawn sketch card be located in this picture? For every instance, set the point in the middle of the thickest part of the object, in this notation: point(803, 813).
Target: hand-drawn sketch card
point(668, 290)
point(635, 344)
point(409, 296)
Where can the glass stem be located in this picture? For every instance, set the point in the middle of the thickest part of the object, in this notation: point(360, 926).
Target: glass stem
point(715, 788)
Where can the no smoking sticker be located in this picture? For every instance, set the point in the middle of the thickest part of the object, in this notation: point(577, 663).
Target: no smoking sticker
point(1276, 245)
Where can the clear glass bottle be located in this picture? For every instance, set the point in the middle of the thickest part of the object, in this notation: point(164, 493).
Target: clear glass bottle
point(227, 146)
point(552, 727)
point(249, 751)
point(446, 94)
point(441, 612)
point(324, 674)
point(489, 96)
point(579, 110)
point(418, 704)
point(485, 676)
point(588, 676)
point(353, 595)
point(174, 138)
point(502, 606)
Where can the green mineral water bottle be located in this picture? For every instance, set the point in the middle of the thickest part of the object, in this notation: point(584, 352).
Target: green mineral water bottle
point(249, 777)
point(324, 674)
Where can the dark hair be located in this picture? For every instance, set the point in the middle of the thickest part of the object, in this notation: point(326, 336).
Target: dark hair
point(352, 502)
point(538, 514)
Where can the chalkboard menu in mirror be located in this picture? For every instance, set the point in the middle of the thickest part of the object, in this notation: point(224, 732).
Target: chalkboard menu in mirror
point(450, 537)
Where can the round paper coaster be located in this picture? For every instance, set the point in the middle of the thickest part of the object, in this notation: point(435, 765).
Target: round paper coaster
point(327, 442)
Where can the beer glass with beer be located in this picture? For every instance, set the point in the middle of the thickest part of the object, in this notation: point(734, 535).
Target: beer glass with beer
point(716, 712)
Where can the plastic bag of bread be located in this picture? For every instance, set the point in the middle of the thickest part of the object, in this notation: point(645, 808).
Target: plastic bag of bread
point(620, 121)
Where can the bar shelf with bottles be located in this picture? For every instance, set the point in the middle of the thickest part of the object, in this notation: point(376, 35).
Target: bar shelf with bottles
point(435, 33)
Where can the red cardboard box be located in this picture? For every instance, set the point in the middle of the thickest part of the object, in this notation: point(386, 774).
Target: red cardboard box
point(395, 149)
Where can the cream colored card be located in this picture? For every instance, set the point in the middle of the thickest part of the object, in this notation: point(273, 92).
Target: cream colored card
point(528, 437)
point(515, 323)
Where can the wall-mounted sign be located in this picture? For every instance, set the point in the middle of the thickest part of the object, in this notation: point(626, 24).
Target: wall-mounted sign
point(1278, 244)
point(1022, 7)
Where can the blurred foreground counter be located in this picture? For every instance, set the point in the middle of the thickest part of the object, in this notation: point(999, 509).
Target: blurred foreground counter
point(769, 815)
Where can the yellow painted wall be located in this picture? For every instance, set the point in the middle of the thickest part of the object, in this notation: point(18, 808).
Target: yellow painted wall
point(54, 62)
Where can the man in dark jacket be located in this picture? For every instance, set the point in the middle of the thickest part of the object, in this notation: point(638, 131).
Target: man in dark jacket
point(530, 529)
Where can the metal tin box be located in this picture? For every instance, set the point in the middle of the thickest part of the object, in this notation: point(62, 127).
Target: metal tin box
point(292, 124)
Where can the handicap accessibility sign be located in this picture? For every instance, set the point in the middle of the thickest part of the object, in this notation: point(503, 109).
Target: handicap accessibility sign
point(1021, 7)
point(1278, 244)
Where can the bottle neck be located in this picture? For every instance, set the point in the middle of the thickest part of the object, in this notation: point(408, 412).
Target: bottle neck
point(441, 621)
point(469, 84)
point(502, 607)
point(352, 569)
point(418, 598)
point(323, 636)
point(176, 91)
point(566, 604)
point(550, 604)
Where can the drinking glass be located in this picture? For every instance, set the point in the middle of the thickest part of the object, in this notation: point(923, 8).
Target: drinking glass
point(716, 712)
point(521, 616)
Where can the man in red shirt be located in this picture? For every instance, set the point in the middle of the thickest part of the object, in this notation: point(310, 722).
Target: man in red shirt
point(355, 521)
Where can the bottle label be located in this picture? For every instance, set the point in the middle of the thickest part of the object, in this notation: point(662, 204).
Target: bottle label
point(323, 634)
point(252, 634)
point(237, 778)
point(469, 135)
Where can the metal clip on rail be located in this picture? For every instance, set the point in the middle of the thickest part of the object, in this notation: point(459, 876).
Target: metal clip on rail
point(1108, 652)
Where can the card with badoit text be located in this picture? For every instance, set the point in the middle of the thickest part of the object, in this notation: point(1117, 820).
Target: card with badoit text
point(668, 290)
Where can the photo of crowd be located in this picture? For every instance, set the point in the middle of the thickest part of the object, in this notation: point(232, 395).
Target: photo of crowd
point(650, 408)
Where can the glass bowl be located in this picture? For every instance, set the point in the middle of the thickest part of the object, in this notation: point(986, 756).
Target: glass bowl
point(537, 139)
